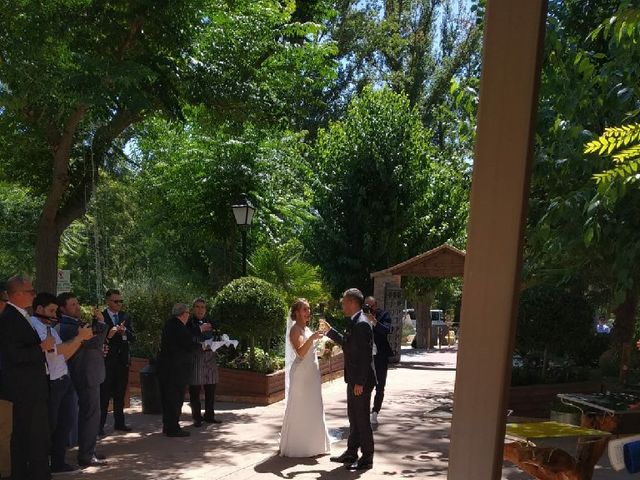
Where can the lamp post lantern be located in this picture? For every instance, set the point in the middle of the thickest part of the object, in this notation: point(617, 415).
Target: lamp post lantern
point(243, 212)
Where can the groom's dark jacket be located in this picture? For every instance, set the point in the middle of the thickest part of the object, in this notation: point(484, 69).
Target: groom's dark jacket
point(357, 345)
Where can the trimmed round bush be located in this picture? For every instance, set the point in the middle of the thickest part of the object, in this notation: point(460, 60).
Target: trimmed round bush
point(250, 308)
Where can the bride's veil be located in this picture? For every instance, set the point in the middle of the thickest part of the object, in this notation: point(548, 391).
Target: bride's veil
point(289, 354)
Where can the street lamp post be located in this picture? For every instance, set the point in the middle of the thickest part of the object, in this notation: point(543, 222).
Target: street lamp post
point(243, 212)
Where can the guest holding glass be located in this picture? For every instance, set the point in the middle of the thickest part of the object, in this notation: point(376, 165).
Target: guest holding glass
point(61, 391)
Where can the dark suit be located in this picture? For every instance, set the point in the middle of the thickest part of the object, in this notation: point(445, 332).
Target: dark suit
point(175, 362)
point(87, 373)
point(383, 352)
point(116, 364)
point(26, 384)
point(357, 345)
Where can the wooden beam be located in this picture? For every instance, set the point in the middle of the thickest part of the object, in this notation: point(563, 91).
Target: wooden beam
point(511, 57)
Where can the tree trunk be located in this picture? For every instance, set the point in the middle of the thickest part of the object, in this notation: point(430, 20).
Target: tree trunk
point(46, 256)
point(423, 320)
point(624, 329)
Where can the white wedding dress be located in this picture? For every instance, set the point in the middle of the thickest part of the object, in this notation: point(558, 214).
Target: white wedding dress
point(304, 431)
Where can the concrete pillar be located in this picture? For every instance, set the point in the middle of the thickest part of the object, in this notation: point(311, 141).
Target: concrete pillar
point(506, 120)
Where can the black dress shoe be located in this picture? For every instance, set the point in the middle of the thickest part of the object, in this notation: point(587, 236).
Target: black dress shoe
point(101, 433)
point(362, 464)
point(346, 457)
point(100, 456)
point(92, 462)
point(197, 423)
point(178, 433)
point(122, 428)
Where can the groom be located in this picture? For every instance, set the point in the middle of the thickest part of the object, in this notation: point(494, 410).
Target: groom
point(360, 376)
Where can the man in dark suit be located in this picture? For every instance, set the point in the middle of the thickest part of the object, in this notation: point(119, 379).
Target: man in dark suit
point(6, 408)
point(26, 384)
point(175, 362)
point(117, 361)
point(87, 373)
point(381, 322)
point(360, 376)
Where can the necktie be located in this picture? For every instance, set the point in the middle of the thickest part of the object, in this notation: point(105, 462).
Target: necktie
point(116, 320)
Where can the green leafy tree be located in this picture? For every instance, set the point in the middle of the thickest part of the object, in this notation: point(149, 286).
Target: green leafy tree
point(578, 234)
point(383, 193)
point(76, 76)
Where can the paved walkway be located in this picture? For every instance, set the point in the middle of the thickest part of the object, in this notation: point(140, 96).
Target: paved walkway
point(411, 440)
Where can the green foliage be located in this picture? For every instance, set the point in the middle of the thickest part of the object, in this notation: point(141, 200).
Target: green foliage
point(263, 362)
point(579, 233)
point(558, 324)
point(19, 209)
point(149, 303)
point(622, 144)
point(283, 267)
point(382, 192)
point(76, 77)
point(250, 308)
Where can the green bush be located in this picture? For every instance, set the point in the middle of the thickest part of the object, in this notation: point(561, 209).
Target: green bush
point(150, 306)
point(262, 363)
point(250, 309)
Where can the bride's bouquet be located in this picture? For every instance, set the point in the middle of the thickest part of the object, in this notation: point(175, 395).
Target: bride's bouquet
point(325, 347)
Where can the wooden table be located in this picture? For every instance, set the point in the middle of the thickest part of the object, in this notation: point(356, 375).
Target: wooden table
point(548, 463)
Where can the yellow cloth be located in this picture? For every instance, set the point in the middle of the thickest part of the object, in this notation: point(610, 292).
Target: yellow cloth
point(527, 431)
point(6, 427)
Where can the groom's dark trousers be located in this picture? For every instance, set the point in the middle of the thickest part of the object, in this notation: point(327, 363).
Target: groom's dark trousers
point(357, 345)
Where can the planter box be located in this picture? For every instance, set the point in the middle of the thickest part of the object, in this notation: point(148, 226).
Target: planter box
point(535, 400)
point(242, 386)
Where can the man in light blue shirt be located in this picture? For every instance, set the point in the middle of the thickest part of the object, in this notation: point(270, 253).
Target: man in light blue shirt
point(61, 391)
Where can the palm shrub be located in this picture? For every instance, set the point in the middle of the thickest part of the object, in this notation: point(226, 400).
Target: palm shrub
point(284, 267)
point(250, 309)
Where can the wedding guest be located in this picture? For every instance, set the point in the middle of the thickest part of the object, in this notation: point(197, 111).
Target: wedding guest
point(175, 362)
point(6, 417)
point(117, 361)
point(204, 374)
point(381, 323)
point(87, 373)
point(61, 391)
point(24, 379)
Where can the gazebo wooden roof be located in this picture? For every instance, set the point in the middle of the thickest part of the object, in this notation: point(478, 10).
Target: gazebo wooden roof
point(441, 262)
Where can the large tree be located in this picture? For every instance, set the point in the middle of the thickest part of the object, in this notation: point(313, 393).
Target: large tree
point(577, 233)
point(75, 76)
point(383, 191)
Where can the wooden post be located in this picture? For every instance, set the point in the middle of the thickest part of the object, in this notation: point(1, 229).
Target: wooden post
point(492, 276)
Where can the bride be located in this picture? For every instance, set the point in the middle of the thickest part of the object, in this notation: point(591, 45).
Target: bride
point(304, 432)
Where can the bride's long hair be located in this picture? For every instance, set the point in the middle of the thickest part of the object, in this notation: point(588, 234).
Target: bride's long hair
point(289, 352)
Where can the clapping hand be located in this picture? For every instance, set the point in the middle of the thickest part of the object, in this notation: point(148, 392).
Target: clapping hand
point(205, 327)
point(112, 331)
